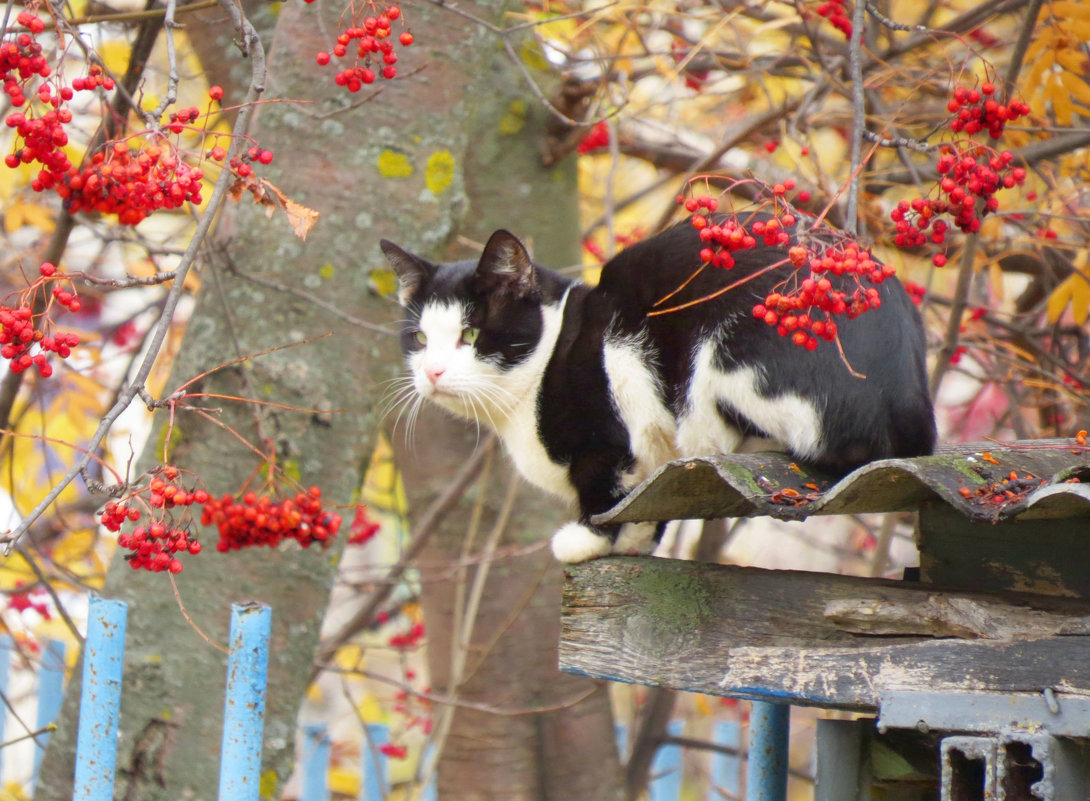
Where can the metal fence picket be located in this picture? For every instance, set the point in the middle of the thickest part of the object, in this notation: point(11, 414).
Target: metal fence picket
point(375, 781)
point(50, 695)
point(766, 772)
point(244, 712)
point(100, 701)
point(315, 763)
point(726, 768)
point(6, 646)
point(244, 705)
point(666, 767)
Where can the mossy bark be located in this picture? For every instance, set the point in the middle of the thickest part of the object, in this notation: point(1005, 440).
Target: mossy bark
point(391, 167)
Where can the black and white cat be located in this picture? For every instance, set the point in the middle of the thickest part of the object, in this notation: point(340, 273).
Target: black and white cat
point(590, 395)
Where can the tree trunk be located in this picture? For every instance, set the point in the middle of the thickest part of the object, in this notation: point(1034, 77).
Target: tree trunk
point(544, 735)
point(350, 161)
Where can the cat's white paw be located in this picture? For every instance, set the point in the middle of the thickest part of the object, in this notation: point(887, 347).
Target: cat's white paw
point(636, 539)
point(574, 542)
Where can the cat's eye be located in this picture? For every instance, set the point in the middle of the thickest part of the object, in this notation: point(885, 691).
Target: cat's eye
point(469, 335)
point(421, 337)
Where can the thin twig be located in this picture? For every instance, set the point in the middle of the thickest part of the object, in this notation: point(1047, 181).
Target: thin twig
point(191, 621)
point(859, 116)
point(454, 701)
point(153, 117)
point(421, 533)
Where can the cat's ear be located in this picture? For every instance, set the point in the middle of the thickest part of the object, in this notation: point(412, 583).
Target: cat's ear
point(411, 270)
point(505, 266)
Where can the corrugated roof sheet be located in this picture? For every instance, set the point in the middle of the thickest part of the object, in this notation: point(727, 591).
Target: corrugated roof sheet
point(984, 481)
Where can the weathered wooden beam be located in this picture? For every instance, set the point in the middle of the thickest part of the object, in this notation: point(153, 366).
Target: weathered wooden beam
point(813, 638)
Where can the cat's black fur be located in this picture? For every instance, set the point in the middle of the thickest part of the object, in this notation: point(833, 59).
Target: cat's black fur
point(578, 416)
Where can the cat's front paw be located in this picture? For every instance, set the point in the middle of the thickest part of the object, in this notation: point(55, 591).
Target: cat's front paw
point(574, 542)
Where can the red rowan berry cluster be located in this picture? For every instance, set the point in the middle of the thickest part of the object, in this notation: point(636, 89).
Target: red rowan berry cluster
point(408, 639)
point(721, 236)
point(21, 60)
point(252, 520)
point(840, 275)
point(116, 180)
point(131, 184)
point(363, 528)
point(43, 137)
point(21, 331)
point(977, 110)
point(156, 545)
point(837, 13)
point(795, 313)
point(597, 139)
point(368, 40)
point(36, 600)
point(970, 178)
point(971, 174)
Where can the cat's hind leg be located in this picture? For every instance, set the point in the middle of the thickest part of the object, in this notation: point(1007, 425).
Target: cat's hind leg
point(638, 539)
point(578, 542)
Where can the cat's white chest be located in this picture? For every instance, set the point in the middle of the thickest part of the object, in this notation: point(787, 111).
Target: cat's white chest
point(523, 445)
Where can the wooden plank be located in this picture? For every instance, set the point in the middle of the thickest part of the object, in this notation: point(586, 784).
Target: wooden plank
point(1042, 557)
point(813, 638)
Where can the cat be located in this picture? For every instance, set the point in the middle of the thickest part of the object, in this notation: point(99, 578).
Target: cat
point(590, 395)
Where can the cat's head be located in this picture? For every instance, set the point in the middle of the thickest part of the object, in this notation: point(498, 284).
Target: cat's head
point(471, 325)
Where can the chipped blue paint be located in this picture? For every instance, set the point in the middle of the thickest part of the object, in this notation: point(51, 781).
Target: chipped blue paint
point(766, 773)
point(100, 701)
point(244, 706)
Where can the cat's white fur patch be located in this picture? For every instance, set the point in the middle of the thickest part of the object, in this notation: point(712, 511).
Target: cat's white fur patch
point(505, 399)
point(574, 542)
point(637, 396)
point(444, 352)
point(788, 418)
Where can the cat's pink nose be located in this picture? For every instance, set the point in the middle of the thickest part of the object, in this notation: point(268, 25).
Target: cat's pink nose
point(433, 374)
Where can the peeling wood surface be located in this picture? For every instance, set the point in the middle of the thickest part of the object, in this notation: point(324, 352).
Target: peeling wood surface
point(745, 485)
point(801, 637)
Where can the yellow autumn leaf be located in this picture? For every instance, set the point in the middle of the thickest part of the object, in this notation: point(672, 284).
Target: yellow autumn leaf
point(1064, 9)
point(75, 546)
point(15, 571)
point(371, 710)
point(344, 781)
point(22, 213)
point(1077, 87)
point(1071, 60)
point(1073, 291)
point(115, 55)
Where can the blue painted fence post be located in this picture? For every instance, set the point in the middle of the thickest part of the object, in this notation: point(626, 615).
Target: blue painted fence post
point(100, 701)
point(726, 768)
point(244, 706)
point(315, 784)
point(665, 784)
point(6, 646)
point(50, 695)
point(766, 773)
point(373, 763)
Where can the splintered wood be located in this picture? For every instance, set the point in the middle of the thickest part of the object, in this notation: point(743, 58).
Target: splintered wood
point(813, 638)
